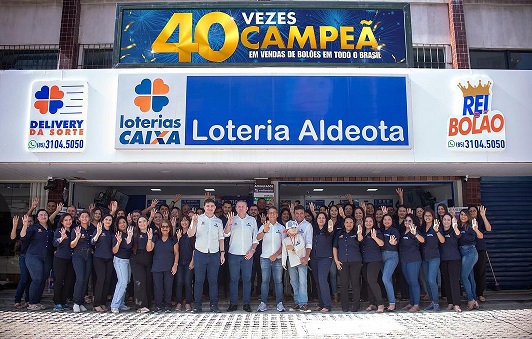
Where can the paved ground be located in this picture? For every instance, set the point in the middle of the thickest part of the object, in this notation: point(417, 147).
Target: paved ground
point(506, 314)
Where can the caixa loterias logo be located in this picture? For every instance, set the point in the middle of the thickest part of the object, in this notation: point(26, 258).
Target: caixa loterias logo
point(476, 127)
point(142, 128)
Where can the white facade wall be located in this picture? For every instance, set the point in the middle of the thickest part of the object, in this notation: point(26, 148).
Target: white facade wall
point(30, 25)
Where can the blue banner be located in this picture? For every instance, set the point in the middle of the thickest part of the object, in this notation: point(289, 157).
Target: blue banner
point(295, 33)
point(297, 110)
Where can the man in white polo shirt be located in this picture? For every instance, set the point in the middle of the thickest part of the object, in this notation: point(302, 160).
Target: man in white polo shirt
point(242, 228)
point(208, 254)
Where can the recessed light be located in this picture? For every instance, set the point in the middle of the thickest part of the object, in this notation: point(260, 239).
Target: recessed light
point(209, 190)
point(372, 189)
point(165, 171)
point(318, 190)
point(155, 189)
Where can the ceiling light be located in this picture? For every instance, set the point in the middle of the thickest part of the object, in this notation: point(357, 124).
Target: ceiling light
point(209, 190)
point(155, 189)
point(318, 190)
point(372, 189)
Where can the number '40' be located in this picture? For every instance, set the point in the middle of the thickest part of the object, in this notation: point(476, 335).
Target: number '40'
point(186, 46)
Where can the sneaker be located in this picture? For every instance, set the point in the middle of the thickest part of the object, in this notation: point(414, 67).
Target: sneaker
point(33, 307)
point(232, 308)
point(304, 309)
point(98, 309)
point(429, 308)
point(66, 307)
point(178, 307)
point(436, 308)
point(197, 310)
point(294, 308)
point(246, 308)
point(76, 308)
point(82, 308)
point(59, 308)
point(143, 310)
point(215, 309)
point(280, 307)
point(188, 308)
point(262, 307)
point(115, 310)
point(124, 308)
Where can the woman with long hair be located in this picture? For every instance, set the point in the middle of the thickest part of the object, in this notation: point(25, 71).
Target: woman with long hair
point(284, 216)
point(451, 262)
point(321, 258)
point(80, 243)
point(338, 221)
point(430, 230)
point(441, 210)
point(185, 271)
point(470, 234)
point(141, 263)
point(348, 260)
point(122, 248)
point(390, 257)
point(371, 253)
point(102, 239)
point(63, 269)
point(479, 213)
point(21, 246)
point(411, 261)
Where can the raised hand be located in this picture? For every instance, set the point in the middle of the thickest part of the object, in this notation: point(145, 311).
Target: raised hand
point(150, 233)
point(263, 218)
point(312, 206)
point(34, 203)
point(152, 213)
point(455, 224)
point(91, 207)
point(349, 198)
point(78, 232)
point(173, 221)
point(436, 225)
point(359, 229)
point(118, 236)
point(179, 234)
point(399, 192)
point(409, 211)
point(267, 227)
point(393, 240)
point(341, 211)
point(177, 197)
point(59, 207)
point(230, 218)
point(474, 224)
point(15, 221)
point(482, 211)
point(195, 218)
point(291, 207)
point(363, 205)
point(193, 210)
point(384, 210)
point(63, 233)
point(129, 219)
point(331, 226)
point(373, 233)
point(413, 229)
point(154, 203)
point(25, 219)
point(129, 231)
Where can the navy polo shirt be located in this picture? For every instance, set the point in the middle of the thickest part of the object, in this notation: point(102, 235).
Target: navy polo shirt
point(124, 250)
point(39, 240)
point(322, 244)
point(348, 246)
point(468, 237)
point(84, 242)
point(163, 254)
point(401, 227)
point(409, 248)
point(430, 249)
point(449, 249)
point(63, 250)
point(186, 249)
point(387, 233)
point(104, 244)
point(481, 243)
point(371, 251)
point(142, 240)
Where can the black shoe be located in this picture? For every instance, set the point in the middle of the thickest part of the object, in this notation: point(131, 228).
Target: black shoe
point(196, 310)
point(232, 308)
point(247, 308)
point(215, 309)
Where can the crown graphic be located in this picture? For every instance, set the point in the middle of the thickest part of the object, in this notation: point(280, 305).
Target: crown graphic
point(471, 91)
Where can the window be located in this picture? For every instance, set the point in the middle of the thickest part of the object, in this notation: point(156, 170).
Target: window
point(430, 56)
point(96, 56)
point(500, 59)
point(28, 56)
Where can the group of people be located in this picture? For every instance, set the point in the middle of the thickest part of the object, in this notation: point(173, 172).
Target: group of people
point(173, 254)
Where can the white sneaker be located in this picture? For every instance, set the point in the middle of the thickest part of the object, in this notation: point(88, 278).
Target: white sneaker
point(280, 307)
point(262, 307)
point(124, 308)
point(76, 308)
point(115, 310)
point(82, 308)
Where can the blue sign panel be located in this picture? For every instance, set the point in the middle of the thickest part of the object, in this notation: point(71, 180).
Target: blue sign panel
point(263, 33)
point(297, 110)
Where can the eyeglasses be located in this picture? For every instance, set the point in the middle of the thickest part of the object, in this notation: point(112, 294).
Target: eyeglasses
point(42, 215)
point(163, 227)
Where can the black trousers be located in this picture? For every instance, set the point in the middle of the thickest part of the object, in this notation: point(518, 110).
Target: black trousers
point(63, 280)
point(480, 272)
point(371, 274)
point(142, 278)
point(104, 271)
point(162, 288)
point(450, 276)
point(350, 273)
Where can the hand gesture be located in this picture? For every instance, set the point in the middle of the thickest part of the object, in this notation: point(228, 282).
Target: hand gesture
point(130, 231)
point(399, 192)
point(165, 214)
point(482, 211)
point(436, 225)
point(34, 203)
point(339, 265)
point(152, 213)
point(455, 224)
point(341, 211)
point(177, 197)
point(331, 226)
point(15, 221)
point(154, 203)
point(63, 233)
point(91, 207)
point(359, 229)
point(113, 206)
point(179, 234)
point(118, 237)
point(59, 207)
point(173, 221)
point(267, 227)
point(384, 210)
point(230, 218)
point(393, 240)
point(263, 218)
point(270, 202)
point(452, 211)
point(409, 211)
point(291, 207)
point(474, 224)
point(150, 233)
point(99, 228)
point(193, 210)
point(349, 198)
point(413, 229)
point(194, 218)
point(25, 220)
point(363, 205)
point(373, 233)
point(207, 195)
point(78, 232)
point(312, 206)
point(129, 219)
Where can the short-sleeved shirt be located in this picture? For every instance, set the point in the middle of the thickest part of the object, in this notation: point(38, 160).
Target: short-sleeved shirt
point(63, 249)
point(371, 251)
point(430, 249)
point(306, 231)
point(322, 244)
point(243, 234)
point(273, 240)
point(468, 238)
point(387, 233)
point(163, 254)
point(40, 240)
point(209, 231)
point(409, 248)
point(481, 243)
point(104, 244)
point(348, 246)
point(186, 249)
point(449, 249)
point(84, 243)
point(125, 249)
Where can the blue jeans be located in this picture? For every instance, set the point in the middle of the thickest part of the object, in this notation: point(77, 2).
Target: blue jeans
point(123, 275)
point(390, 260)
point(298, 280)
point(83, 268)
point(206, 264)
point(469, 259)
point(320, 270)
point(411, 273)
point(184, 279)
point(39, 268)
point(24, 282)
point(239, 263)
point(431, 268)
point(333, 277)
point(276, 268)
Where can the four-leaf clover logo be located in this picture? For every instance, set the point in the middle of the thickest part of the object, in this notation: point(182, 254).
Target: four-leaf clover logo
point(151, 95)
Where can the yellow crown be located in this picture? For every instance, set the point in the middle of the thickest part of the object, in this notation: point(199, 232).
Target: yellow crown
point(472, 91)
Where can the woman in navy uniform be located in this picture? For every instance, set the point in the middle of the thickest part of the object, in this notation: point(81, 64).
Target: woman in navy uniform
point(390, 257)
point(185, 271)
point(430, 230)
point(63, 270)
point(371, 253)
point(411, 261)
point(122, 248)
point(451, 262)
point(102, 238)
point(321, 258)
point(141, 262)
